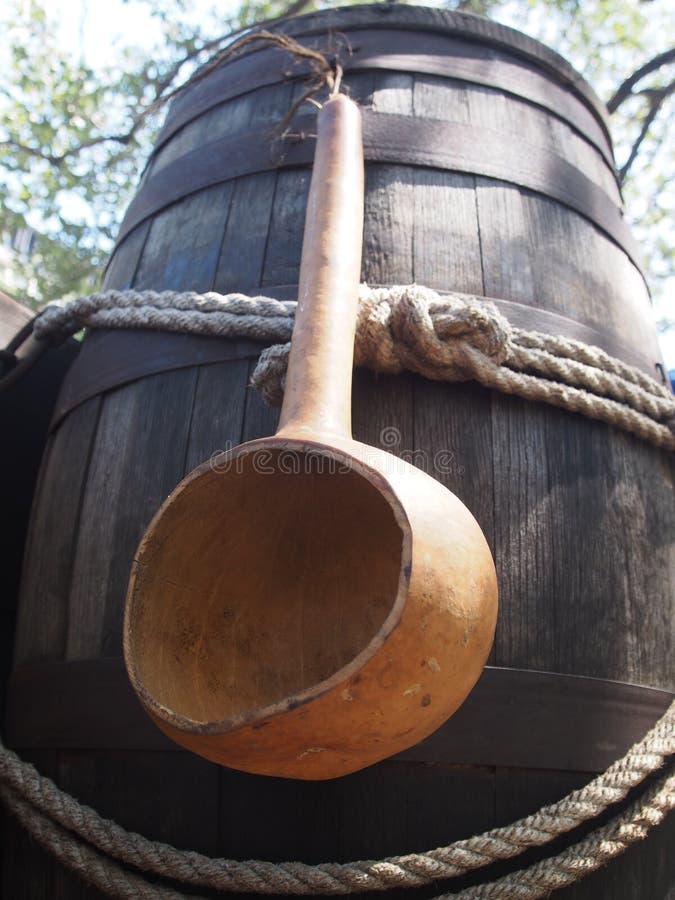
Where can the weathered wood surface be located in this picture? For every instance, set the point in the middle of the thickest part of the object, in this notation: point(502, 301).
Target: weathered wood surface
point(25, 412)
point(580, 517)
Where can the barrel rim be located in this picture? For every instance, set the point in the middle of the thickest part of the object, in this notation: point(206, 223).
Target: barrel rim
point(470, 26)
point(200, 99)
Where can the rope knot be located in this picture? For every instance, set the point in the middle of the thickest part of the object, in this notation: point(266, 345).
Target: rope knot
point(449, 337)
point(452, 337)
point(445, 338)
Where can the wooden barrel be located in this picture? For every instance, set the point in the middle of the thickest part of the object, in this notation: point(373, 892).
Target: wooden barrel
point(489, 171)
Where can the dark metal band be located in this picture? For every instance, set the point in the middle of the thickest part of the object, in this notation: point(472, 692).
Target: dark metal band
point(114, 358)
point(467, 27)
point(110, 359)
point(515, 718)
point(393, 50)
point(392, 139)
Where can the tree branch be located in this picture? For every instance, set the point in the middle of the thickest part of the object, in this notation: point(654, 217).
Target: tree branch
point(625, 90)
point(165, 83)
point(57, 160)
point(657, 96)
point(161, 86)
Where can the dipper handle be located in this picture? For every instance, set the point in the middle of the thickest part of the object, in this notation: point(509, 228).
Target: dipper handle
point(317, 398)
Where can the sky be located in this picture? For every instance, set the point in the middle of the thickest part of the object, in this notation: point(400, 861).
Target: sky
point(96, 28)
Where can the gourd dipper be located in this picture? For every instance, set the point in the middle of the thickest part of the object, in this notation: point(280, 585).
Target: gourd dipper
point(311, 605)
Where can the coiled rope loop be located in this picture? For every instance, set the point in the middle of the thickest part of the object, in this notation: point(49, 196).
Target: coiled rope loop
point(72, 831)
point(449, 337)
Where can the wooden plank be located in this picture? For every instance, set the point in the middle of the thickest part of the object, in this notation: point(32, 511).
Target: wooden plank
point(374, 808)
point(389, 808)
point(611, 583)
point(53, 537)
point(590, 598)
point(630, 306)
point(270, 105)
point(388, 235)
point(525, 536)
point(446, 243)
point(382, 412)
point(521, 792)
point(452, 427)
point(383, 406)
point(242, 253)
point(178, 255)
point(448, 803)
point(277, 819)
point(165, 796)
point(441, 98)
point(644, 502)
point(26, 410)
point(284, 241)
point(492, 108)
point(393, 93)
point(578, 272)
point(568, 275)
point(454, 444)
point(506, 251)
point(123, 263)
point(218, 411)
point(540, 253)
point(388, 222)
point(138, 458)
point(519, 120)
point(360, 87)
point(223, 121)
point(593, 283)
point(583, 154)
point(454, 439)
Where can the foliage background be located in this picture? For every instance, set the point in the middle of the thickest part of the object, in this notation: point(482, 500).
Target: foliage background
point(79, 81)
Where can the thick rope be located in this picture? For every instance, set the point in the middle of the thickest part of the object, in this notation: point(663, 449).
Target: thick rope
point(536, 881)
point(452, 337)
point(589, 855)
point(55, 818)
point(92, 866)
